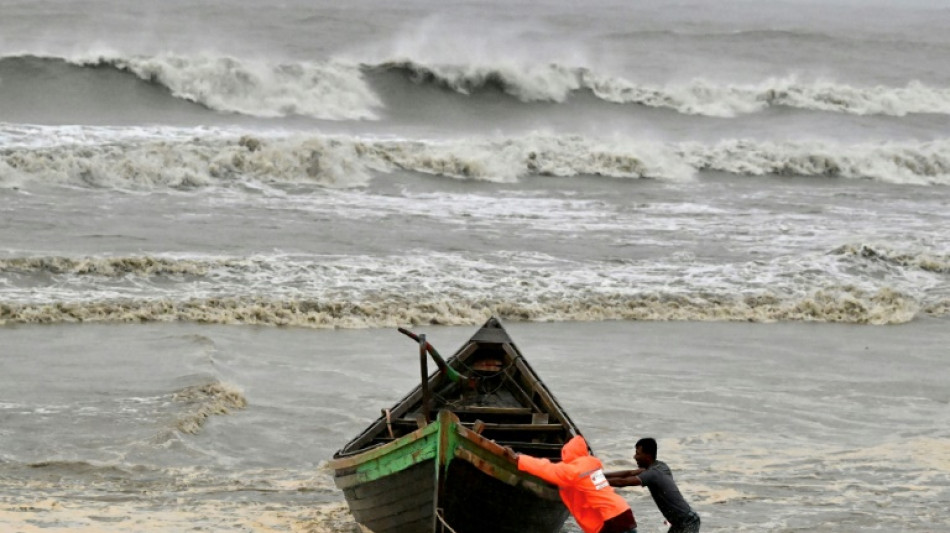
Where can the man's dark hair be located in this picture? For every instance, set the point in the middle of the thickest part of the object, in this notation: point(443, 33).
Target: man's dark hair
point(648, 445)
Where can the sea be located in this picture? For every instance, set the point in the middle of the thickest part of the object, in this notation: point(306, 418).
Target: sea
point(724, 225)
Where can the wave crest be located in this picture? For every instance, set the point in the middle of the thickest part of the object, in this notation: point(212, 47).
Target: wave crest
point(543, 83)
point(700, 97)
point(204, 401)
point(939, 264)
point(836, 304)
point(925, 163)
point(144, 266)
point(220, 158)
point(340, 90)
point(328, 90)
point(556, 83)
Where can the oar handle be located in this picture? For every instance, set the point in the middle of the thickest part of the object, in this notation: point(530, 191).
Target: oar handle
point(443, 367)
point(426, 399)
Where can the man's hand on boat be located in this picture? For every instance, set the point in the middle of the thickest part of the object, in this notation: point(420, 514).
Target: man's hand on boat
point(510, 453)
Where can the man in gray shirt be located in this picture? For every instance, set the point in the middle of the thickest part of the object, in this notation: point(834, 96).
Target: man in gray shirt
point(657, 477)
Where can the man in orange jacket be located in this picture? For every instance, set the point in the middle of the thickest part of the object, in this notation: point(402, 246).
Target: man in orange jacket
point(583, 488)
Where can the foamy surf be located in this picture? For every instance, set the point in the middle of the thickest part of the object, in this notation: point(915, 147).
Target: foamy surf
point(930, 262)
point(141, 266)
point(557, 83)
point(854, 283)
point(127, 160)
point(338, 89)
point(324, 90)
point(205, 400)
point(835, 305)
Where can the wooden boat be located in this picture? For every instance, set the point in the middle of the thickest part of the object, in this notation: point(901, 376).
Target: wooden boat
point(436, 461)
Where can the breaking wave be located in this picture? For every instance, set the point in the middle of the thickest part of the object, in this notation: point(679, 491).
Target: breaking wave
point(118, 159)
point(342, 89)
point(893, 162)
point(839, 304)
point(853, 283)
point(924, 261)
point(557, 83)
point(145, 266)
point(206, 400)
point(325, 90)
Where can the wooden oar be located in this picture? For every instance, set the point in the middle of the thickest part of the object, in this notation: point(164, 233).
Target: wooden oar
point(439, 362)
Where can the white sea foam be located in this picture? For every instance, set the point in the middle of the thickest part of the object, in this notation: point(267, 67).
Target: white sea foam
point(183, 158)
point(366, 291)
point(32, 136)
point(701, 97)
point(838, 306)
point(927, 261)
point(926, 163)
point(205, 400)
point(336, 89)
point(326, 90)
point(553, 82)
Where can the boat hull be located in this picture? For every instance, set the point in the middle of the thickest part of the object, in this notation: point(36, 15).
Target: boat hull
point(482, 503)
point(445, 477)
point(399, 503)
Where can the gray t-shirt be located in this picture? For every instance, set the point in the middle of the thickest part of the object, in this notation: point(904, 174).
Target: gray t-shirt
point(659, 480)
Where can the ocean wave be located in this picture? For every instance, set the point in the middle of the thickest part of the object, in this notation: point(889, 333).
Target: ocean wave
point(557, 83)
point(340, 89)
point(938, 263)
point(845, 304)
point(544, 83)
point(856, 283)
point(926, 163)
point(326, 90)
point(205, 400)
point(145, 266)
point(183, 164)
point(219, 158)
point(700, 97)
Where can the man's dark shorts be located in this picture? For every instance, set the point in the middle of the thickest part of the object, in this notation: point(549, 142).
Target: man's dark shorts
point(622, 523)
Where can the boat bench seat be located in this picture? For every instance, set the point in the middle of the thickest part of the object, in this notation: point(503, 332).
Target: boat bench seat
point(479, 410)
point(488, 426)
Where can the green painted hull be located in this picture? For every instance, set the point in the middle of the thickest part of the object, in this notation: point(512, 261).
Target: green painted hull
point(445, 474)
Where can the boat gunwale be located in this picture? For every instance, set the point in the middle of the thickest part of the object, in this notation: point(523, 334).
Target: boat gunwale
point(470, 447)
point(368, 454)
point(522, 367)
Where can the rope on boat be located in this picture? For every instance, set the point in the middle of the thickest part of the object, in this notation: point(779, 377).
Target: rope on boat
point(445, 525)
point(389, 423)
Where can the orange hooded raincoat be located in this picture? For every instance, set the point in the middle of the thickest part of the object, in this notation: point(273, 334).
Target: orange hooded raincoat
point(583, 487)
